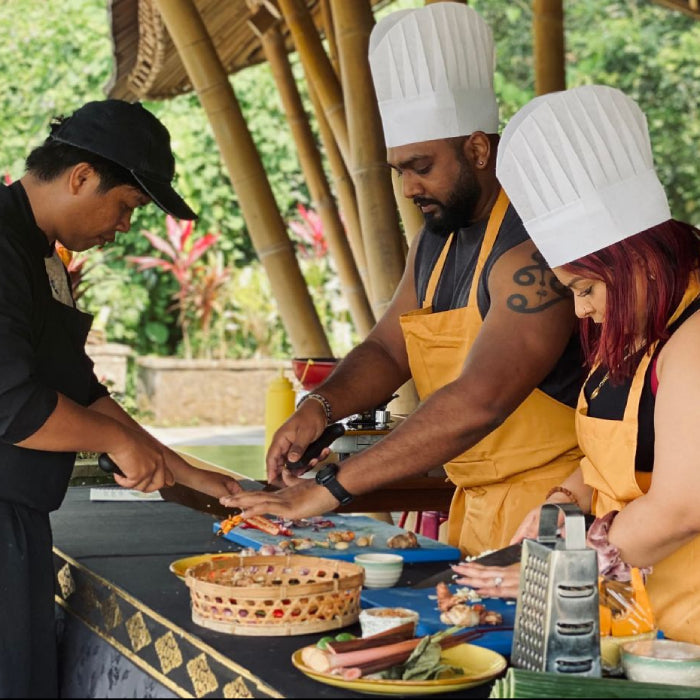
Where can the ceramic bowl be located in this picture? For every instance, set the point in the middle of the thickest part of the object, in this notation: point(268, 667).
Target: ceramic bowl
point(382, 570)
point(311, 371)
point(662, 661)
point(375, 620)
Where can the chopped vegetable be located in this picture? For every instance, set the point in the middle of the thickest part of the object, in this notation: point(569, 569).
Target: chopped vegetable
point(344, 637)
point(323, 642)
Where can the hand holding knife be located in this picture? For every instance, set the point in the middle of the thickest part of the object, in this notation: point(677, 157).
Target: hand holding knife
point(314, 449)
point(179, 493)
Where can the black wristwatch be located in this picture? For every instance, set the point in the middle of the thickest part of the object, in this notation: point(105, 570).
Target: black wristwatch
point(326, 477)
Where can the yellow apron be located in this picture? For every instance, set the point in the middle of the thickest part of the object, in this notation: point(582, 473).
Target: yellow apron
point(506, 474)
point(609, 447)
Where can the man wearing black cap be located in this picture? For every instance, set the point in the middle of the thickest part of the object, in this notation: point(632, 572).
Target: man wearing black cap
point(80, 188)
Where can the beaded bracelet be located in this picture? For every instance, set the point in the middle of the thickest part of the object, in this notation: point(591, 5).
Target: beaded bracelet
point(569, 494)
point(324, 404)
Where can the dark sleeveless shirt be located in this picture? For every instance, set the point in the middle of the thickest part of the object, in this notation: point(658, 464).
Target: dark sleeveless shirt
point(611, 401)
point(452, 292)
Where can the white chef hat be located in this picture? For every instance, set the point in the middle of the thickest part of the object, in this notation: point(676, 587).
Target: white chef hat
point(433, 73)
point(578, 168)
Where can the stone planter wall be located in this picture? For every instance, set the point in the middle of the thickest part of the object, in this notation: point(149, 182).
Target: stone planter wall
point(175, 391)
point(111, 361)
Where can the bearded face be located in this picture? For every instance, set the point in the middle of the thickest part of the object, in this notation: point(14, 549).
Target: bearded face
point(458, 208)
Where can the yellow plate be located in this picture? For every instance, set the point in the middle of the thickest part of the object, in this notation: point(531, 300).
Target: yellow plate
point(180, 566)
point(480, 665)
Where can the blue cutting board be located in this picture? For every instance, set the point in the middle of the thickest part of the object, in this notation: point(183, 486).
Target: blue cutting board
point(429, 550)
point(424, 602)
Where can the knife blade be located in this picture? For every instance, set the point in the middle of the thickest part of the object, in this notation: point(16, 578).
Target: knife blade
point(314, 449)
point(500, 557)
point(202, 502)
point(187, 496)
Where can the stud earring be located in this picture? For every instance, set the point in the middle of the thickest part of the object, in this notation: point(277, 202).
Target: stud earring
point(481, 162)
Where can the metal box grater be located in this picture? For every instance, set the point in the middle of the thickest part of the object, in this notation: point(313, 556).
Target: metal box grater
point(557, 623)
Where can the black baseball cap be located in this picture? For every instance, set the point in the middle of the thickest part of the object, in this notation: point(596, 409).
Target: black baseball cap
point(129, 135)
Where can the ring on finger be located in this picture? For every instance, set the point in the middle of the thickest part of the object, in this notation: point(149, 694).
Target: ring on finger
point(497, 581)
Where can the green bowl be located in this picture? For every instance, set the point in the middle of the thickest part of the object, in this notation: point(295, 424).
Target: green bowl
point(662, 661)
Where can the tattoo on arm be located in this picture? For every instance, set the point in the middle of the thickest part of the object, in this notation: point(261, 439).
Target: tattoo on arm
point(541, 289)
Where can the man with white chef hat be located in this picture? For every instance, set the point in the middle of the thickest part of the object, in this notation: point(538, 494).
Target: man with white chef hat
point(477, 320)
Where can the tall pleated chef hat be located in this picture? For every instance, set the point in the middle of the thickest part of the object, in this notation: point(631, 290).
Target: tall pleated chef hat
point(432, 70)
point(578, 168)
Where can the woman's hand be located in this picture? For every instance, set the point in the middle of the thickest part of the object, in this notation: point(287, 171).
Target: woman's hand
point(489, 581)
point(212, 483)
point(529, 527)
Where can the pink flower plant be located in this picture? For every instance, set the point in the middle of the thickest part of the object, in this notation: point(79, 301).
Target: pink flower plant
point(310, 232)
point(198, 283)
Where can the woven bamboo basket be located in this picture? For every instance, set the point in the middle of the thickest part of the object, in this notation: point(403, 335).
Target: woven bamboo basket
point(275, 595)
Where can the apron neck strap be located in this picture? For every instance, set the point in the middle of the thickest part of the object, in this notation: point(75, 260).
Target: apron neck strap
point(496, 217)
point(492, 228)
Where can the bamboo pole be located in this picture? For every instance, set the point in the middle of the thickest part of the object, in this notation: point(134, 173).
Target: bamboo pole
point(548, 34)
point(344, 187)
point(310, 159)
point(382, 237)
point(411, 218)
point(267, 230)
point(329, 31)
point(318, 68)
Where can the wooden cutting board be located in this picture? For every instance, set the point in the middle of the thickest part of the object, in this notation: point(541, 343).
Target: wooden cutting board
point(429, 550)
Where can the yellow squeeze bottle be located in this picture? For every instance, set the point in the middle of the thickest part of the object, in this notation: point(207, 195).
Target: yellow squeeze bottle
point(279, 405)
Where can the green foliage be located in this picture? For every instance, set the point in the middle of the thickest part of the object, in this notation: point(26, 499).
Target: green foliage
point(55, 55)
point(645, 50)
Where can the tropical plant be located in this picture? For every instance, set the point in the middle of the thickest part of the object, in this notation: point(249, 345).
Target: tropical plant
point(198, 282)
point(308, 229)
point(321, 278)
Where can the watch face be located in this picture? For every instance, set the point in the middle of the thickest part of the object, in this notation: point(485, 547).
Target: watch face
point(326, 477)
point(328, 472)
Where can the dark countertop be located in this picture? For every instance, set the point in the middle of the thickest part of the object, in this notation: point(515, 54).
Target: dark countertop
point(131, 545)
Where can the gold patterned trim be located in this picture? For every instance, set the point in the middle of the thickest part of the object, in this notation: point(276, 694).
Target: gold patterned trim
point(174, 657)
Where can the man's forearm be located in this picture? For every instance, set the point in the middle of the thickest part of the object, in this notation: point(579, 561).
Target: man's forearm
point(434, 434)
point(74, 428)
point(365, 378)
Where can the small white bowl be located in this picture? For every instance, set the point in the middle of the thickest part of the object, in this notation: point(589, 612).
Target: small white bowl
point(382, 570)
point(662, 661)
point(376, 620)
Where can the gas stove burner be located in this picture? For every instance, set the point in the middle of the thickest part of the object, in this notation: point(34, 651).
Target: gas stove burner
point(363, 430)
point(377, 418)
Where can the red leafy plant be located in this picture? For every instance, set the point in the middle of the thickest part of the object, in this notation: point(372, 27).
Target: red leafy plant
point(199, 281)
point(309, 231)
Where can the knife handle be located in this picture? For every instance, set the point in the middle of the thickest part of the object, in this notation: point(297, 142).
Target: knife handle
point(108, 465)
point(329, 435)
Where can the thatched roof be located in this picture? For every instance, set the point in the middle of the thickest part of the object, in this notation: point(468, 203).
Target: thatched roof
point(146, 63)
point(688, 7)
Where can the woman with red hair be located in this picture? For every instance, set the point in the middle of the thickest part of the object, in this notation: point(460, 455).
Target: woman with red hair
point(578, 168)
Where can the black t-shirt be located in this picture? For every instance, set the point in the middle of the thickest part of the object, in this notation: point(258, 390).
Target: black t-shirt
point(41, 353)
point(452, 292)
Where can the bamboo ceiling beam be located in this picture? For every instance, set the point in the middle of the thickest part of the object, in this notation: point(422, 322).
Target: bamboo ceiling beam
point(318, 68)
point(351, 284)
point(265, 224)
point(548, 39)
point(381, 234)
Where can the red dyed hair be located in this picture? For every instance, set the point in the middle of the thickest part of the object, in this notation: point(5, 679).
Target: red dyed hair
point(661, 259)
